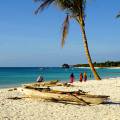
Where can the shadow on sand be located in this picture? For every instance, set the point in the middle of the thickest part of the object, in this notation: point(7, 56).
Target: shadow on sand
point(72, 103)
point(112, 103)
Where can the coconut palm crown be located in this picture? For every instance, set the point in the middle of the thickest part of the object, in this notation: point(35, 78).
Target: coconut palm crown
point(74, 9)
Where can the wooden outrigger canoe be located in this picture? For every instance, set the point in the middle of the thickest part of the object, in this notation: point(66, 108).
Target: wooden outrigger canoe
point(47, 84)
point(64, 96)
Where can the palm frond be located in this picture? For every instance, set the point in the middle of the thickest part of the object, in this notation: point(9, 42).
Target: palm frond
point(43, 5)
point(118, 15)
point(74, 8)
point(65, 29)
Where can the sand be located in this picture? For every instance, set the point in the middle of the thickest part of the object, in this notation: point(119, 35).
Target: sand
point(35, 109)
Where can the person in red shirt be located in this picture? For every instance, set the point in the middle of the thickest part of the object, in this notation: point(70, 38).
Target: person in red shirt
point(81, 77)
point(72, 78)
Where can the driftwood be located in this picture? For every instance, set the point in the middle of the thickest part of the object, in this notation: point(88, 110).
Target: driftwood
point(76, 96)
point(16, 98)
point(38, 84)
point(47, 84)
point(12, 89)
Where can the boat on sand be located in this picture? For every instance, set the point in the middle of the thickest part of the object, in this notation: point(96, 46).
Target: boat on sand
point(77, 97)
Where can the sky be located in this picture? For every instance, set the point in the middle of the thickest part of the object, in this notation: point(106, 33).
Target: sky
point(28, 40)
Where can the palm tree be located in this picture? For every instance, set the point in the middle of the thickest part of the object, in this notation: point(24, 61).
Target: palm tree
point(75, 9)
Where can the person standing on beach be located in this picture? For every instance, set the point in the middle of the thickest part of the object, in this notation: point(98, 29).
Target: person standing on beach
point(72, 78)
point(81, 77)
point(85, 76)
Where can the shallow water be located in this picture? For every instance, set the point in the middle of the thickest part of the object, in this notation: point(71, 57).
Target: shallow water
point(15, 76)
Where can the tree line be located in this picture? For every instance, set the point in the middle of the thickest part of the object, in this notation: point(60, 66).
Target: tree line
point(101, 64)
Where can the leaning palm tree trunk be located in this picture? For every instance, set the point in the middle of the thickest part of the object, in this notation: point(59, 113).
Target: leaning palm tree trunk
point(96, 76)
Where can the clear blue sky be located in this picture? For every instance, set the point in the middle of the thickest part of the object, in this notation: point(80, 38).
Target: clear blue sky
point(29, 40)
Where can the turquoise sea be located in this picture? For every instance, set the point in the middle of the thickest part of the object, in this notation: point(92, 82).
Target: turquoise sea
point(15, 76)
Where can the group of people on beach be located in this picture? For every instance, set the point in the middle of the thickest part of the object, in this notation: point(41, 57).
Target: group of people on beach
point(82, 77)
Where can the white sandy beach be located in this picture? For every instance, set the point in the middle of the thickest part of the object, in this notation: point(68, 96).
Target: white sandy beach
point(34, 109)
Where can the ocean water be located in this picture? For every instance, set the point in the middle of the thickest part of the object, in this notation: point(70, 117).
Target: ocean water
point(15, 76)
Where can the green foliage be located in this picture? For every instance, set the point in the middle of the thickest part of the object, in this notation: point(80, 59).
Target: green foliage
point(102, 64)
point(73, 7)
point(65, 66)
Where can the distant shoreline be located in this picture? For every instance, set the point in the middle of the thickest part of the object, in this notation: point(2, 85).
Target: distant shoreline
point(100, 67)
point(100, 64)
